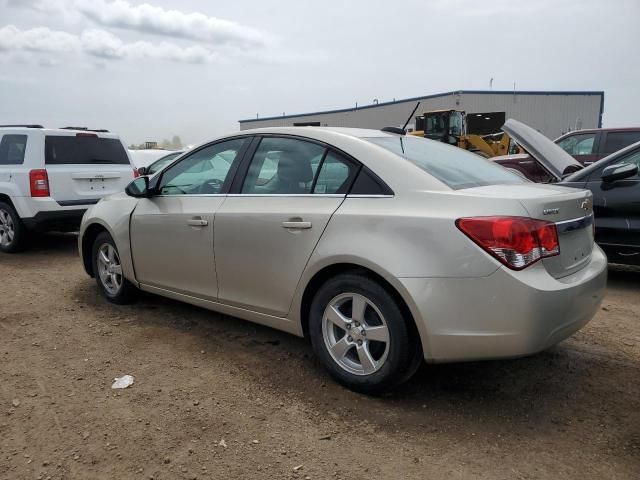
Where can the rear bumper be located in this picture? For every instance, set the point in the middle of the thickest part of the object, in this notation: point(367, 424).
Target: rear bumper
point(44, 214)
point(506, 314)
point(60, 220)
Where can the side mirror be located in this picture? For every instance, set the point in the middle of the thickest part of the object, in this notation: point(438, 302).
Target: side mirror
point(139, 188)
point(142, 171)
point(619, 172)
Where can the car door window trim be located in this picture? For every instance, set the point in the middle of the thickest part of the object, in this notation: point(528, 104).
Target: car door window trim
point(243, 167)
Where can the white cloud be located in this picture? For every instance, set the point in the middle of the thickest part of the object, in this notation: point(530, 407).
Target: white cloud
point(147, 18)
point(97, 43)
point(39, 39)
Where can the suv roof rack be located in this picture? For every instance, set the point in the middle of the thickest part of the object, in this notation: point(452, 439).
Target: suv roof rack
point(99, 130)
point(23, 126)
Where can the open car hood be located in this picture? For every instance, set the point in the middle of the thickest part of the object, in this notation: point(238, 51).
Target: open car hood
point(553, 158)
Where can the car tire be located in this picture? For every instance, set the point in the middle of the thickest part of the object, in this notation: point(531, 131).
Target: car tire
point(344, 342)
point(13, 234)
point(107, 269)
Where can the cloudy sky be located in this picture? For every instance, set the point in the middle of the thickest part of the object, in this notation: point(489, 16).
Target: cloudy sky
point(193, 68)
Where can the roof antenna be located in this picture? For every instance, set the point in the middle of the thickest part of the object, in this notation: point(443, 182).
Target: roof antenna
point(402, 131)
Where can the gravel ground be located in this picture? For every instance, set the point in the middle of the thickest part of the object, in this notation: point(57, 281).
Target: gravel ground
point(215, 397)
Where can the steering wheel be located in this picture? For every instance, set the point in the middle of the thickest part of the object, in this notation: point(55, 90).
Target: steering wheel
point(213, 185)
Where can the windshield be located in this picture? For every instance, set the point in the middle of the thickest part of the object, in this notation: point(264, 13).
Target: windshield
point(453, 166)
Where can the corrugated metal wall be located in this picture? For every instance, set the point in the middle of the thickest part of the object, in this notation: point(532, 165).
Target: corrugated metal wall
point(552, 113)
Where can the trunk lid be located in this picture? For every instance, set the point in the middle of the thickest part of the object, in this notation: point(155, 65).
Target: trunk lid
point(569, 208)
point(558, 162)
point(83, 168)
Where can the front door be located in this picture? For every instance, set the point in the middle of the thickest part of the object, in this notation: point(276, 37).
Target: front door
point(172, 232)
point(616, 206)
point(265, 233)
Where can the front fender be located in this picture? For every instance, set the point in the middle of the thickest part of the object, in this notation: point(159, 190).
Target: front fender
point(113, 214)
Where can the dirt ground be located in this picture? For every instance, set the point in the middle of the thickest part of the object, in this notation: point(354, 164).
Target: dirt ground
point(215, 397)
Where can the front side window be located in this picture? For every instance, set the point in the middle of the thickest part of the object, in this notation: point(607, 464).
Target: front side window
point(453, 166)
point(12, 148)
point(202, 173)
point(619, 140)
point(578, 144)
point(283, 166)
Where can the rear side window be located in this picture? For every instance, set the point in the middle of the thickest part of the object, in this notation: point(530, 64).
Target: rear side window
point(618, 140)
point(453, 166)
point(84, 150)
point(283, 166)
point(335, 176)
point(12, 149)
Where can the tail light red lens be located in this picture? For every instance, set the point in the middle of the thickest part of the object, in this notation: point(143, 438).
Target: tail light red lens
point(517, 242)
point(136, 173)
point(39, 183)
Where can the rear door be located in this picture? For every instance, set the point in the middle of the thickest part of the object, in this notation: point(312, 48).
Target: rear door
point(84, 166)
point(265, 233)
point(12, 152)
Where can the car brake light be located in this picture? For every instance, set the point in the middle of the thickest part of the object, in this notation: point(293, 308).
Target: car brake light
point(136, 173)
point(39, 183)
point(85, 134)
point(517, 242)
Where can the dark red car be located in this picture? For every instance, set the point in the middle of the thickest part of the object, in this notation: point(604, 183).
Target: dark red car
point(586, 146)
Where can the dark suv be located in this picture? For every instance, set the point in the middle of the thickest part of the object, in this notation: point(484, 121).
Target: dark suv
point(586, 146)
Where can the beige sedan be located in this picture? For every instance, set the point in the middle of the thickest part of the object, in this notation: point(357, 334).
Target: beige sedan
point(383, 250)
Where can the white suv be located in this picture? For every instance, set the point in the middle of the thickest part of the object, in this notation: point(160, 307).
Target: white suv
point(49, 177)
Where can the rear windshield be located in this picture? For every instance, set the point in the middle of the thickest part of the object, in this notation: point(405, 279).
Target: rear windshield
point(73, 150)
point(453, 166)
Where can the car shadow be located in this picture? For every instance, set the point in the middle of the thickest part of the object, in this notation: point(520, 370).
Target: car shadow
point(550, 390)
point(624, 276)
point(51, 242)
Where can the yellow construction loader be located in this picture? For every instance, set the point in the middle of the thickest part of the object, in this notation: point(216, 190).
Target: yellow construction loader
point(477, 132)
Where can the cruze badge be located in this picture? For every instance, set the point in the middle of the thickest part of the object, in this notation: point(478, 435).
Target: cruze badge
point(586, 204)
point(550, 211)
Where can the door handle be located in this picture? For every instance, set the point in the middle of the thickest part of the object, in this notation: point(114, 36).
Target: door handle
point(197, 222)
point(297, 225)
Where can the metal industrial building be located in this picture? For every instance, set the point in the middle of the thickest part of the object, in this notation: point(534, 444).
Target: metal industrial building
point(552, 113)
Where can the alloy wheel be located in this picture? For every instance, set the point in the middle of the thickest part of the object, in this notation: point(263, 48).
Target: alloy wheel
point(7, 229)
point(355, 333)
point(109, 269)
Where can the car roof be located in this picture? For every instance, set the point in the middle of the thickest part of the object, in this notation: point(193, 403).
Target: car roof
point(596, 130)
point(31, 129)
point(312, 132)
point(396, 171)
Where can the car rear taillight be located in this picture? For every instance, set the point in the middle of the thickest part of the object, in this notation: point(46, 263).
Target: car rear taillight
point(39, 183)
point(517, 242)
point(136, 173)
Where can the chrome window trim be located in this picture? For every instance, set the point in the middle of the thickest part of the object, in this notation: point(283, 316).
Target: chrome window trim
point(193, 195)
point(311, 195)
point(369, 196)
